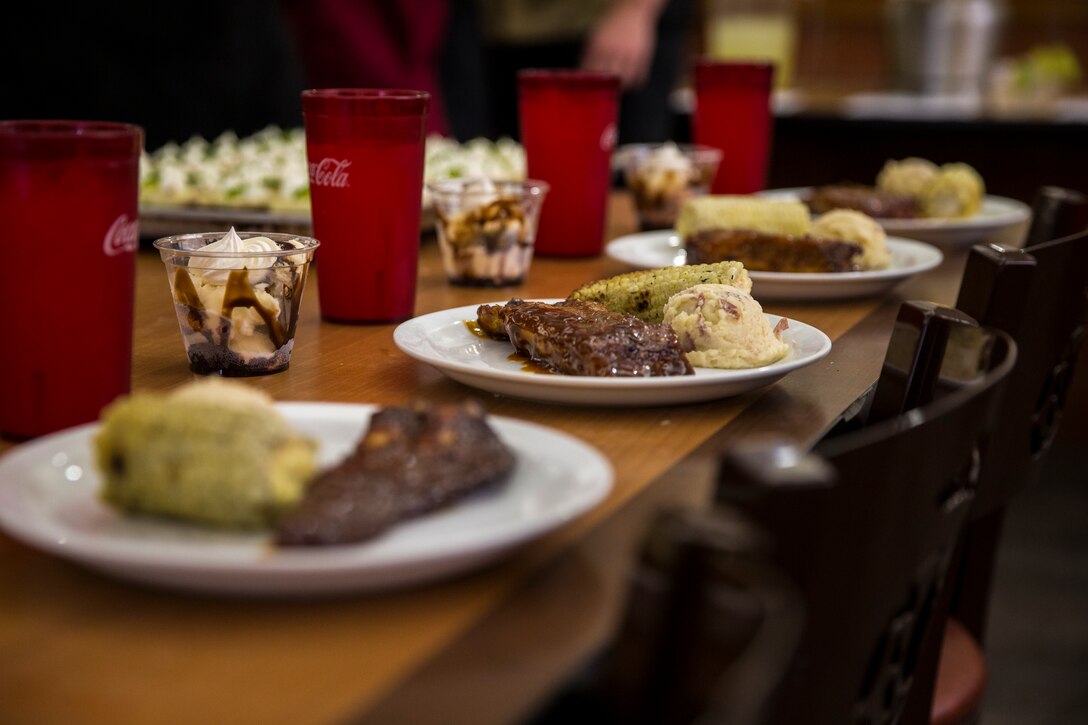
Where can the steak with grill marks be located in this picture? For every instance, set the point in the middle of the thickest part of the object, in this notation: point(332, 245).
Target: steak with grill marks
point(577, 337)
point(866, 199)
point(411, 461)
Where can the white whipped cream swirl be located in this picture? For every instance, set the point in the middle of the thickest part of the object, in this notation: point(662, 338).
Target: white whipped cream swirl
point(668, 157)
point(217, 269)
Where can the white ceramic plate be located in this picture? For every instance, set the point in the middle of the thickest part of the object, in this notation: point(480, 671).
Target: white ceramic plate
point(998, 215)
point(650, 250)
point(49, 499)
point(442, 340)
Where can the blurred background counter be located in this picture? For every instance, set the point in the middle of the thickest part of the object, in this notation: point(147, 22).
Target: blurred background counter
point(997, 84)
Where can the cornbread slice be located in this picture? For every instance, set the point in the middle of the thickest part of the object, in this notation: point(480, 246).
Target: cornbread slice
point(774, 216)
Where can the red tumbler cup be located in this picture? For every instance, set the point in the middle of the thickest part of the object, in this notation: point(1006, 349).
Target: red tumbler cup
point(733, 113)
point(365, 152)
point(69, 200)
point(568, 129)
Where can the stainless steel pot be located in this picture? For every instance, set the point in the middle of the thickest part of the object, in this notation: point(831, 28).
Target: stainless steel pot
point(942, 46)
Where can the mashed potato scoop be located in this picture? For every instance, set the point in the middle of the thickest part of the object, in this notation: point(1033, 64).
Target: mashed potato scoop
point(720, 326)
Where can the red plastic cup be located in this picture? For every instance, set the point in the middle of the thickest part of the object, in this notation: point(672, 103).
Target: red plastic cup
point(365, 152)
point(69, 200)
point(568, 129)
point(733, 113)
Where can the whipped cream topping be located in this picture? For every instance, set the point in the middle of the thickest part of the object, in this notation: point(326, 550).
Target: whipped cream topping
point(216, 270)
point(667, 157)
point(476, 193)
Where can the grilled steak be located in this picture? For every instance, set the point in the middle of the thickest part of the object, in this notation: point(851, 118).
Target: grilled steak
point(867, 199)
point(576, 337)
point(763, 252)
point(409, 462)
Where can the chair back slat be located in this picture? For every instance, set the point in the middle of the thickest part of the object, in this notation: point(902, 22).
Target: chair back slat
point(1037, 296)
point(1056, 213)
point(926, 343)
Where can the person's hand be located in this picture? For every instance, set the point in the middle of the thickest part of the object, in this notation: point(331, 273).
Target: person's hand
point(622, 41)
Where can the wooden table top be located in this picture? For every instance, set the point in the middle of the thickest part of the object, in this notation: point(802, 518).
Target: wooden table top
point(77, 646)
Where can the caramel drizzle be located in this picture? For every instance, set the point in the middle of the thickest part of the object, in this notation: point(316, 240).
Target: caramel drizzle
point(237, 293)
point(185, 293)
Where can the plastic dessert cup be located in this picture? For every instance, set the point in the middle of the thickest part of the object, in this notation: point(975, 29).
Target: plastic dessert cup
point(68, 198)
point(486, 229)
point(733, 114)
point(662, 177)
point(237, 310)
point(365, 153)
point(568, 129)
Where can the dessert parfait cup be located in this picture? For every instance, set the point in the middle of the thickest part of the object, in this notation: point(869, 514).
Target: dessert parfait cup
point(237, 309)
point(662, 176)
point(486, 229)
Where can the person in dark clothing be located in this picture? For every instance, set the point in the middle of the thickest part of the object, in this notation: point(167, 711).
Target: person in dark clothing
point(642, 41)
point(373, 44)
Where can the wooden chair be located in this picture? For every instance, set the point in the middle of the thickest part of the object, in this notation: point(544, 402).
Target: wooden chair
point(1044, 311)
point(871, 552)
point(1036, 295)
point(803, 594)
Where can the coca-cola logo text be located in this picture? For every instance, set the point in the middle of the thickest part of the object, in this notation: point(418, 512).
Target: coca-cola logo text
point(329, 172)
point(122, 237)
point(608, 137)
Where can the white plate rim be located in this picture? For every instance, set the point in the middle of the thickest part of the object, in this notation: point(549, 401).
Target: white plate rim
point(408, 334)
point(261, 567)
point(931, 257)
point(1008, 211)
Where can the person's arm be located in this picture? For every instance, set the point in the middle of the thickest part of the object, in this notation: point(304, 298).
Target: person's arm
point(623, 40)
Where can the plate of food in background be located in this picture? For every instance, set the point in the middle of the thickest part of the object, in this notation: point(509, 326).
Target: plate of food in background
point(214, 490)
point(788, 255)
point(917, 199)
point(654, 337)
